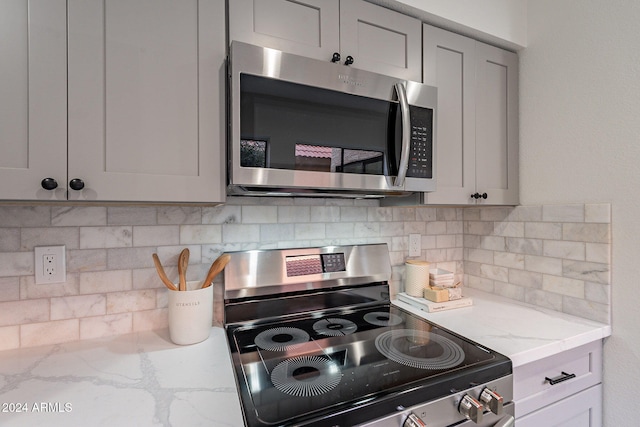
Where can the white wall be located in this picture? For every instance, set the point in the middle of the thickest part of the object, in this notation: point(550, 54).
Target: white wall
point(580, 142)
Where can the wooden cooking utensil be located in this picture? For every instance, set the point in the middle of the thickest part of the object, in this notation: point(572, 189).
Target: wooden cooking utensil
point(183, 262)
point(218, 265)
point(163, 276)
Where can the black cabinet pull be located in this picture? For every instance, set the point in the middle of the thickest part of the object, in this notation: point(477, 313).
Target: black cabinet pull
point(49, 184)
point(479, 196)
point(335, 57)
point(76, 184)
point(349, 60)
point(560, 378)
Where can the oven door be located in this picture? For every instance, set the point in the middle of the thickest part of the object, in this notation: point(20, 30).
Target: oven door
point(302, 125)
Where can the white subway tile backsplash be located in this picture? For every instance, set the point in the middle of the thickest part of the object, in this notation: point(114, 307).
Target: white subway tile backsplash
point(32, 237)
point(21, 312)
point(556, 257)
point(29, 290)
point(597, 213)
point(563, 285)
point(9, 239)
point(105, 281)
point(593, 233)
point(130, 301)
point(201, 234)
point(54, 332)
point(9, 337)
point(259, 214)
point(563, 213)
point(78, 216)
point(147, 235)
point(567, 250)
point(105, 326)
point(132, 215)
point(16, 264)
point(25, 216)
point(561, 260)
point(9, 288)
point(77, 306)
point(179, 215)
point(106, 237)
point(543, 230)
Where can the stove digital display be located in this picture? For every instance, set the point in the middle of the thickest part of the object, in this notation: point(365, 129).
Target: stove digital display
point(303, 265)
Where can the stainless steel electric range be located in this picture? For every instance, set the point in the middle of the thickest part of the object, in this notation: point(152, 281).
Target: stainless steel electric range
point(315, 341)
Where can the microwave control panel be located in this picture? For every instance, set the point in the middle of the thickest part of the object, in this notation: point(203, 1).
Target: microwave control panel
point(421, 149)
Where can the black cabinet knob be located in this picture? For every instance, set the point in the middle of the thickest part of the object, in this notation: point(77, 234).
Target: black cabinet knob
point(349, 60)
point(484, 195)
point(335, 57)
point(49, 184)
point(76, 184)
point(479, 196)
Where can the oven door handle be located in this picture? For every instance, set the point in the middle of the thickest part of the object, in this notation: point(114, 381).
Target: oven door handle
point(406, 134)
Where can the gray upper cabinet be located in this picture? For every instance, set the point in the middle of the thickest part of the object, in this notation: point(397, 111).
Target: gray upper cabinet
point(115, 101)
point(33, 98)
point(146, 100)
point(477, 121)
point(378, 39)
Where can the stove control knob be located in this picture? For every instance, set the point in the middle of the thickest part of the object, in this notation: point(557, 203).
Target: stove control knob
point(492, 400)
point(471, 408)
point(413, 421)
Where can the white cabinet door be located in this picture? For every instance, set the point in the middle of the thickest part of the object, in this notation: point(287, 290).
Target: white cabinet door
point(146, 100)
point(304, 27)
point(477, 119)
point(381, 40)
point(583, 409)
point(33, 98)
point(450, 64)
point(497, 126)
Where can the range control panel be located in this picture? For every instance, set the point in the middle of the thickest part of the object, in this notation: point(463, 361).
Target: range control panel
point(314, 264)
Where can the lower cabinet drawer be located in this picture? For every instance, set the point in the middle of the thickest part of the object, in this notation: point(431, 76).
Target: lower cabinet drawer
point(583, 409)
point(549, 380)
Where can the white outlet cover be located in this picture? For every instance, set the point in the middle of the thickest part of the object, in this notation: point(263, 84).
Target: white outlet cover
point(60, 266)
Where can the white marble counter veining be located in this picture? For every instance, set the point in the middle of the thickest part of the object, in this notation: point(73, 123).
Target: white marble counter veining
point(144, 380)
point(139, 379)
point(523, 332)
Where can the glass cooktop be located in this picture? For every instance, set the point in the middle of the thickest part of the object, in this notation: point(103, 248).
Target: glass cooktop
point(300, 368)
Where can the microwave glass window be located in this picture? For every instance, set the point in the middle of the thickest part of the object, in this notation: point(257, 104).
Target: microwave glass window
point(309, 128)
point(334, 159)
point(253, 153)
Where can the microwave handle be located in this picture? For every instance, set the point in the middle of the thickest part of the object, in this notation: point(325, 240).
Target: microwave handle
point(406, 134)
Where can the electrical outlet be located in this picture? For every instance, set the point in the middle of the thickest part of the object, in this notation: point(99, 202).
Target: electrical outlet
point(415, 241)
point(50, 265)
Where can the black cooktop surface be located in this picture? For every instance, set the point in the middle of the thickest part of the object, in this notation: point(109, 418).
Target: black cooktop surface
point(303, 367)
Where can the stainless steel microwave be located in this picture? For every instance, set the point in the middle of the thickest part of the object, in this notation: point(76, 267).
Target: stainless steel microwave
point(301, 126)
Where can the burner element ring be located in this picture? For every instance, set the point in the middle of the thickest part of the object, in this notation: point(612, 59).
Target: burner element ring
point(280, 339)
point(381, 318)
point(306, 376)
point(334, 327)
point(396, 345)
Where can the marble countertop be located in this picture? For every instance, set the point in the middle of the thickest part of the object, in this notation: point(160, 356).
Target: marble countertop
point(523, 332)
point(143, 379)
point(139, 379)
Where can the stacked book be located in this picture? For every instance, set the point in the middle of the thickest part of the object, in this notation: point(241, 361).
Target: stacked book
point(442, 293)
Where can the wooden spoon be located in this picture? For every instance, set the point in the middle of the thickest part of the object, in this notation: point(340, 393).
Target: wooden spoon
point(217, 266)
point(183, 262)
point(163, 276)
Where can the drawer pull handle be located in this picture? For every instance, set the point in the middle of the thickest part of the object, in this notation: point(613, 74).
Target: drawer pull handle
point(560, 378)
